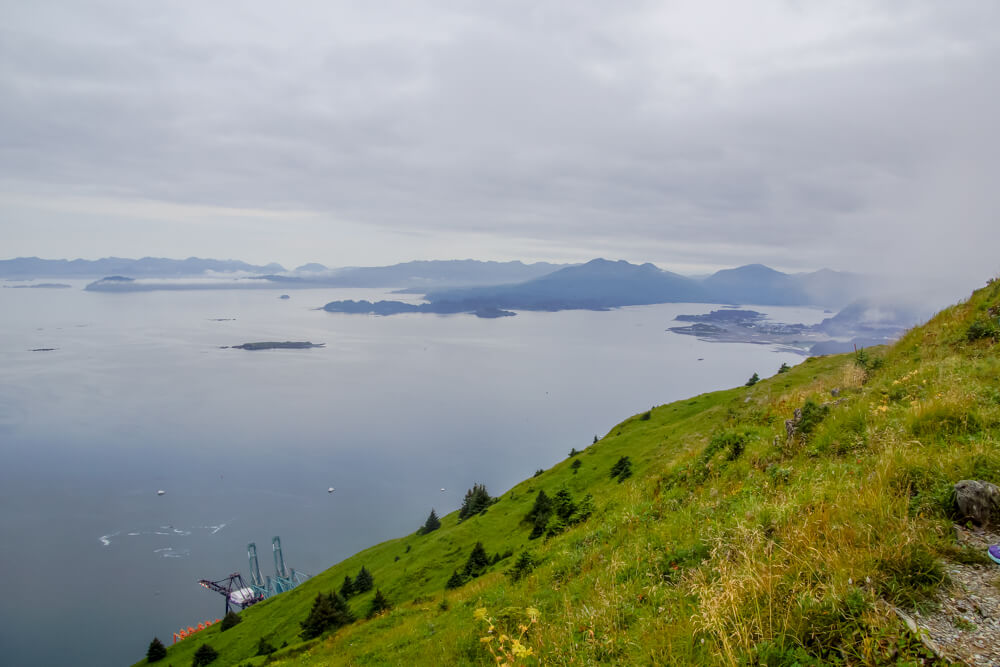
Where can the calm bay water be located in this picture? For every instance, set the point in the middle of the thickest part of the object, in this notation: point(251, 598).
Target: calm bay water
point(138, 396)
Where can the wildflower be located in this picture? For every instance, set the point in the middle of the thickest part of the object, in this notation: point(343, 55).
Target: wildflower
point(479, 614)
point(533, 614)
point(520, 650)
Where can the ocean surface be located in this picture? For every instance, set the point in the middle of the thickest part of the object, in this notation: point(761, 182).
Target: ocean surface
point(138, 395)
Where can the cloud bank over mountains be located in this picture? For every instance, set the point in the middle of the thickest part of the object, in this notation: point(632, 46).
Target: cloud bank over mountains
point(854, 135)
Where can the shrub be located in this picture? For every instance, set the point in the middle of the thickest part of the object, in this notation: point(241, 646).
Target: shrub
point(910, 576)
point(573, 452)
point(538, 472)
point(784, 368)
point(812, 414)
point(983, 328)
point(731, 442)
point(754, 379)
point(866, 362)
point(830, 626)
point(264, 647)
point(576, 465)
point(156, 651)
point(229, 620)
point(646, 415)
point(205, 655)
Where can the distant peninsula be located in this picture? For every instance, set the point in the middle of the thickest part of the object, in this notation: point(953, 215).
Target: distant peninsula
point(863, 323)
point(275, 345)
point(602, 284)
point(39, 286)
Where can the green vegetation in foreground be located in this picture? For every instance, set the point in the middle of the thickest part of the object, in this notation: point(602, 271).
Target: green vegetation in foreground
point(728, 542)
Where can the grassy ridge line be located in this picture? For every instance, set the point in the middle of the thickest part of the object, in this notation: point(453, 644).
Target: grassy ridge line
point(732, 543)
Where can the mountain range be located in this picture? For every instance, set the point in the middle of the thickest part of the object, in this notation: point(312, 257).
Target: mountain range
point(600, 284)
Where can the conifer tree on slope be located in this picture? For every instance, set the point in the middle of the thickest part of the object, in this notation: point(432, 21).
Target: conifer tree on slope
point(156, 651)
point(347, 588)
point(432, 523)
point(328, 612)
point(478, 561)
point(380, 603)
point(364, 581)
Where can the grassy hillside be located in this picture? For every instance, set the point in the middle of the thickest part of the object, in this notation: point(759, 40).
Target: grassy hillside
point(731, 542)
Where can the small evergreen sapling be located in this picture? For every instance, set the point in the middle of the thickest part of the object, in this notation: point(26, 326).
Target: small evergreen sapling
point(156, 651)
point(754, 379)
point(380, 603)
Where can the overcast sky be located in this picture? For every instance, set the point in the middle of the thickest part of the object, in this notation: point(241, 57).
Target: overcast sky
point(695, 135)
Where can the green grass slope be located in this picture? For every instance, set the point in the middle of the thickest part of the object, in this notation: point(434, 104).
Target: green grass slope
point(731, 543)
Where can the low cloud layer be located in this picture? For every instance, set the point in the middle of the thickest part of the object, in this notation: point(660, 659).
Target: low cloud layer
point(855, 135)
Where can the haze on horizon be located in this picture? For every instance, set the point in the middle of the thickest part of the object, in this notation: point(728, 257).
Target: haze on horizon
point(851, 135)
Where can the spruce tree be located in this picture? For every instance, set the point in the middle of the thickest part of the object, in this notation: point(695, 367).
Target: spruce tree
point(478, 561)
point(156, 651)
point(583, 510)
point(455, 580)
point(754, 379)
point(364, 581)
point(347, 588)
point(379, 604)
point(328, 612)
point(265, 647)
point(432, 523)
point(476, 501)
point(205, 655)
point(229, 620)
point(622, 469)
point(539, 514)
point(563, 504)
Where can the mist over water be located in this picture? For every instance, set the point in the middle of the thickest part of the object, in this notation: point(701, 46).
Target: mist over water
point(138, 396)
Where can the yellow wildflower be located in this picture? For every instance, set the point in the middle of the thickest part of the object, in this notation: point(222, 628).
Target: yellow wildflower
point(479, 614)
point(520, 650)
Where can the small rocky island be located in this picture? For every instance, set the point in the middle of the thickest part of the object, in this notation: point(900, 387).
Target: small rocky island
point(275, 345)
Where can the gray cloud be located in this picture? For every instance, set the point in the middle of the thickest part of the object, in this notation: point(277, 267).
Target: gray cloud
point(851, 134)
